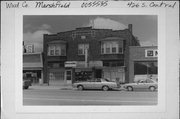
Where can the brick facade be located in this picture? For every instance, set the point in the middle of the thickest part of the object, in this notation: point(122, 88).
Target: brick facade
point(93, 37)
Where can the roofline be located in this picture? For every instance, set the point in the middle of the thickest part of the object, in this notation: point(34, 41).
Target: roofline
point(87, 29)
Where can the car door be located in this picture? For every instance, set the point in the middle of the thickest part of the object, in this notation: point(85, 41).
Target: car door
point(140, 85)
point(97, 83)
point(86, 84)
point(90, 84)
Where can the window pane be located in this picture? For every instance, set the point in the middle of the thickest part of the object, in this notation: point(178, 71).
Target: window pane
point(51, 52)
point(120, 46)
point(108, 45)
point(107, 50)
point(102, 48)
point(120, 50)
point(150, 53)
point(145, 68)
point(81, 48)
point(140, 68)
point(57, 52)
point(152, 68)
point(113, 49)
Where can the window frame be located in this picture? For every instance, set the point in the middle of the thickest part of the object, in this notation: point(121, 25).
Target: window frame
point(53, 48)
point(110, 45)
point(82, 48)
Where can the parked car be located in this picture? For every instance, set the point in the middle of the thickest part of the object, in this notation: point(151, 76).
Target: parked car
point(97, 83)
point(26, 83)
point(142, 84)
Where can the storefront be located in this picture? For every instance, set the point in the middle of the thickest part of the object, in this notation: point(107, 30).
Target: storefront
point(114, 74)
point(76, 71)
point(33, 67)
point(143, 63)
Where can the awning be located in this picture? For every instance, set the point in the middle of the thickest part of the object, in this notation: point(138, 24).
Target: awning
point(32, 61)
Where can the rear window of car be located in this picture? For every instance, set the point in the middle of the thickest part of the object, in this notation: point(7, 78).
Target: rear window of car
point(105, 80)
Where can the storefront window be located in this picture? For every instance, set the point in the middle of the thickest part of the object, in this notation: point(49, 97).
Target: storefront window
point(141, 68)
point(83, 75)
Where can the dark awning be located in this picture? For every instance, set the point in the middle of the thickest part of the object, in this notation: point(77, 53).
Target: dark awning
point(32, 61)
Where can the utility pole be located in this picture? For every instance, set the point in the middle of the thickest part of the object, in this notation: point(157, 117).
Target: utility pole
point(86, 57)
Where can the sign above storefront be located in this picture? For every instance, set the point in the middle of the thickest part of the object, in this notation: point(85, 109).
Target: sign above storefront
point(151, 53)
point(81, 64)
point(70, 64)
point(29, 48)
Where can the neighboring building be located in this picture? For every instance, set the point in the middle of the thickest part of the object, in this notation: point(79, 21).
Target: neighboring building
point(142, 63)
point(87, 52)
point(33, 66)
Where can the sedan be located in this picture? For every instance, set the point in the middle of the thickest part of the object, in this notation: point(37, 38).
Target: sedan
point(98, 83)
point(142, 84)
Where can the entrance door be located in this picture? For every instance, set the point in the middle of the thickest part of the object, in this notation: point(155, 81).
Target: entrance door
point(68, 76)
point(98, 73)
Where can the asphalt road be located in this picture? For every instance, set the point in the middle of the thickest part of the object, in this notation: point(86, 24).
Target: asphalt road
point(87, 97)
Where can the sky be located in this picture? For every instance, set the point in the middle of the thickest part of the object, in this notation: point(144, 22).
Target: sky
point(144, 26)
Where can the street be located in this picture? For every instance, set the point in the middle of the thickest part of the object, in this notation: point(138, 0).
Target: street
point(87, 97)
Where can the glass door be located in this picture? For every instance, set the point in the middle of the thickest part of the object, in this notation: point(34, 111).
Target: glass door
point(68, 76)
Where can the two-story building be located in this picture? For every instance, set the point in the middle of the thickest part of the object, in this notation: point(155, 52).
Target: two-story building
point(86, 52)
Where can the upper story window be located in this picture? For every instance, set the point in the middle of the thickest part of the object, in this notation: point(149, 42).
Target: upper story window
point(112, 47)
point(56, 50)
point(82, 48)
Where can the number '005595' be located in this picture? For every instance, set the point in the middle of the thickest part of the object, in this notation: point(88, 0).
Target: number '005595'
point(94, 4)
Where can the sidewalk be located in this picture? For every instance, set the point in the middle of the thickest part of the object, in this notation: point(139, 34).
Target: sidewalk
point(55, 87)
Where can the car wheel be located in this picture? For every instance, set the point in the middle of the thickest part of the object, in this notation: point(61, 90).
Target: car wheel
point(152, 88)
point(105, 88)
point(80, 87)
point(130, 88)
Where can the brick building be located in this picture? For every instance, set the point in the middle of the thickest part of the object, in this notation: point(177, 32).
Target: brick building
point(87, 52)
point(142, 63)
